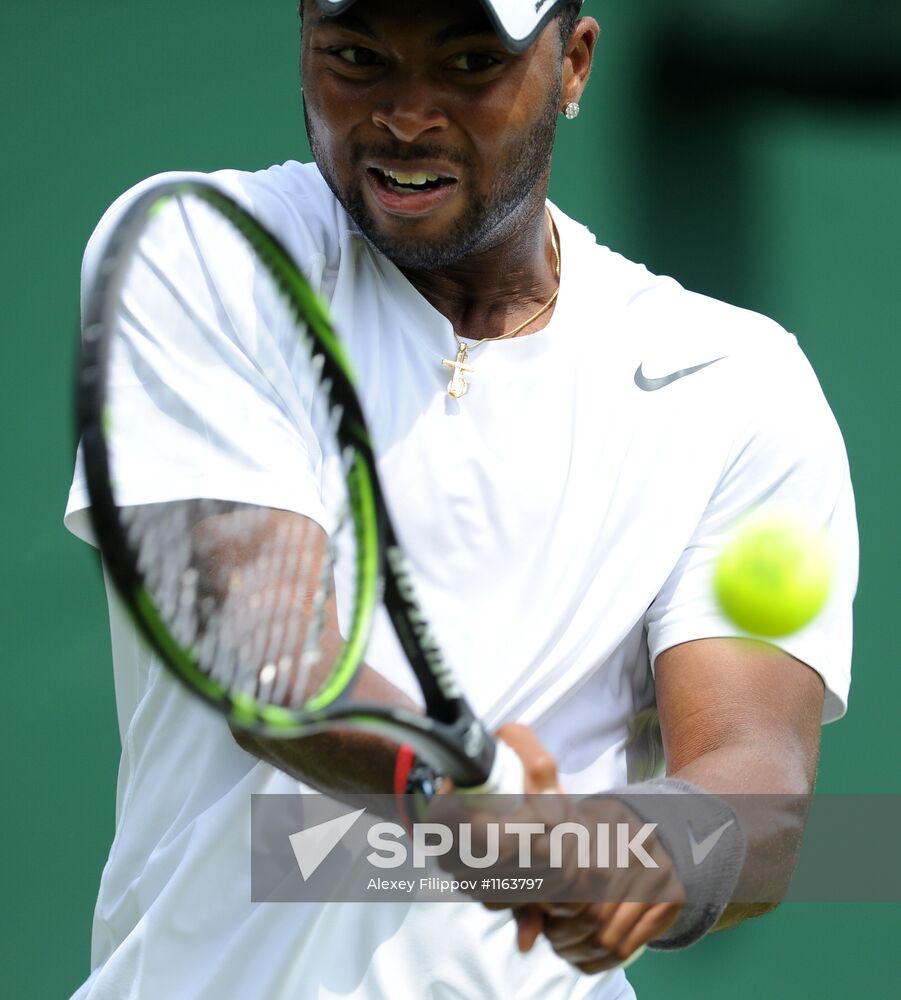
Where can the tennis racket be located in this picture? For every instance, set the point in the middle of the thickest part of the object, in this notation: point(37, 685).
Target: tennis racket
point(263, 613)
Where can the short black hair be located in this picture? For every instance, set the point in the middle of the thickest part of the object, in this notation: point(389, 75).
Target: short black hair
point(567, 16)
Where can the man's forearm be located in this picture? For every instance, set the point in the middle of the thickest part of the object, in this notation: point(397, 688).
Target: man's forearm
point(773, 816)
point(235, 542)
point(345, 765)
point(332, 762)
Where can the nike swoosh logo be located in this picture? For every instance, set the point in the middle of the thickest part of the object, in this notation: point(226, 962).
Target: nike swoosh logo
point(653, 384)
point(700, 849)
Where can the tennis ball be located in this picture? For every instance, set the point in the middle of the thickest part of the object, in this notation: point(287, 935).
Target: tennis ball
point(772, 577)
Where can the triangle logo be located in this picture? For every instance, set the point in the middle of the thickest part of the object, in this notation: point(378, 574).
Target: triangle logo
point(311, 847)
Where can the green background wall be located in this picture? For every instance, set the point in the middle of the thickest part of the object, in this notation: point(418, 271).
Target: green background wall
point(764, 188)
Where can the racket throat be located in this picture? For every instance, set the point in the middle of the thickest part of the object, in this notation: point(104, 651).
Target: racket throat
point(415, 633)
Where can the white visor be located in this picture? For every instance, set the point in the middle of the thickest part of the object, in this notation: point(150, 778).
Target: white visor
point(517, 22)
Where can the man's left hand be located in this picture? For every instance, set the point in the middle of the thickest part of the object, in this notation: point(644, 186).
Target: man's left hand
point(592, 936)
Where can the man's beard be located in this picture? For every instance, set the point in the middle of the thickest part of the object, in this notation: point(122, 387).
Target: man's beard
point(484, 215)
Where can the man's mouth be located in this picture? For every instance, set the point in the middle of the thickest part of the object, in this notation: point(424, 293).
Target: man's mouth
point(417, 180)
point(411, 193)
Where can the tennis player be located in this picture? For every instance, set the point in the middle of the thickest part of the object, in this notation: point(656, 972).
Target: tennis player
point(565, 439)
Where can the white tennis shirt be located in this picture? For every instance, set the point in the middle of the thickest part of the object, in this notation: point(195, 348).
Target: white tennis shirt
point(561, 520)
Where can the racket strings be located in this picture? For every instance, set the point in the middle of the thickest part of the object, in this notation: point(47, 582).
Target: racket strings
point(258, 619)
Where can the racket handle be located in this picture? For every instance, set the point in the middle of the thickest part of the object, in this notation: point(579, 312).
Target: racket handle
point(507, 774)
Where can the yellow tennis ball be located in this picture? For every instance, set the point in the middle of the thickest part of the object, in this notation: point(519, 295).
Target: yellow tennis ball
point(773, 576)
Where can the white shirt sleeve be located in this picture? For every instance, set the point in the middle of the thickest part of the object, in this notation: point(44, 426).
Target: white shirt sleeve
point(788, 454)
point(203, 377)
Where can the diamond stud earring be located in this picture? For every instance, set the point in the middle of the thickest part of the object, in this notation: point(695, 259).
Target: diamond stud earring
point(571, 110)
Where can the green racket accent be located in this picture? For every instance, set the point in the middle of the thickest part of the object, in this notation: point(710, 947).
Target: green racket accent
point(245, 710)
point(278, 719)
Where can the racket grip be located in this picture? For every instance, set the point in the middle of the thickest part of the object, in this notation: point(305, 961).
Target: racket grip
point(507, 775)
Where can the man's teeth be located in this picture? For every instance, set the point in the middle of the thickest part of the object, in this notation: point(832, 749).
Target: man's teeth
point(418, 178)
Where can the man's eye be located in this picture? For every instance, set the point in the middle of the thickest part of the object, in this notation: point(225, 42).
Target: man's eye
point(474, 62)
point(356, 55)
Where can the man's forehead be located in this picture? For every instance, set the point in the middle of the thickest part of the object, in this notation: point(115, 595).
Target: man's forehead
point(452, 17)
point(517, 22)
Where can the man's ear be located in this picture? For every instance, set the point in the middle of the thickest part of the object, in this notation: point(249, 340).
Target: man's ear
point(578, 55)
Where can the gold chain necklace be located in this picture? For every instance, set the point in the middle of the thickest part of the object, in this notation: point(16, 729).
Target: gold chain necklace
point(458, 386)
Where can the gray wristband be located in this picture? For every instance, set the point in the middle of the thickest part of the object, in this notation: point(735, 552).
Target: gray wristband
point(705, 841)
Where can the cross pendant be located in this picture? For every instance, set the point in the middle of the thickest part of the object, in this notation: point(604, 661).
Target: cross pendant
point(458, 386)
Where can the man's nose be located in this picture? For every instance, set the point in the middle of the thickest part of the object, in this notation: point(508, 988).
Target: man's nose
point(410, 110)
